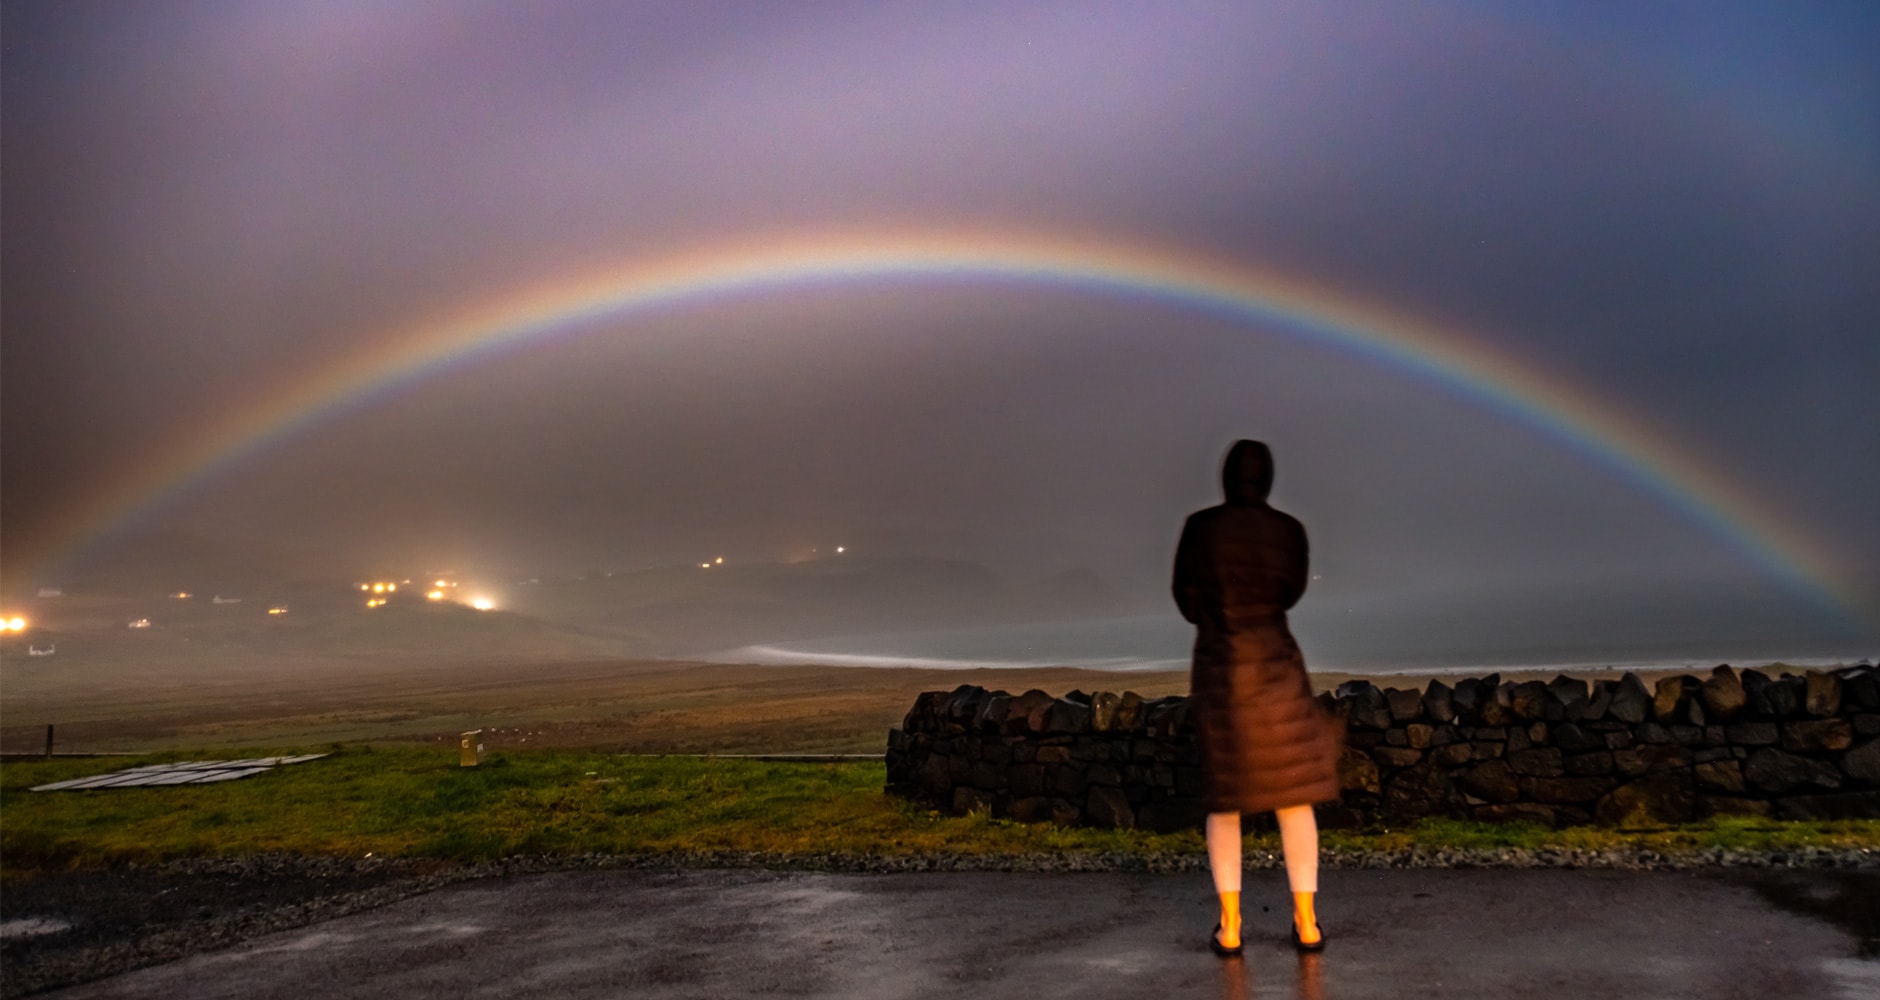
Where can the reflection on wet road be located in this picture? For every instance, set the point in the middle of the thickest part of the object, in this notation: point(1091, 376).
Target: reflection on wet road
point(1473, 933)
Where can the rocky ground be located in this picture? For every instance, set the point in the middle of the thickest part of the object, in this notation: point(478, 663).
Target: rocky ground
point(69, 927)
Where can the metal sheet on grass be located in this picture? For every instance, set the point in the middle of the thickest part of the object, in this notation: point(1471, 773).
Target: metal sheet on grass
point(189, 772)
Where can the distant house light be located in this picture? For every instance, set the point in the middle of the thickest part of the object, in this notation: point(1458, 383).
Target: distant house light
point(278, 609)
point(181, 595)
point(137, 623)
point(13, 624)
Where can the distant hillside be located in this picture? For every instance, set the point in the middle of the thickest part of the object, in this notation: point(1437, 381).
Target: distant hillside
point(97, 632)
point(1073, 593)
point(672, 610)
point(683, 607)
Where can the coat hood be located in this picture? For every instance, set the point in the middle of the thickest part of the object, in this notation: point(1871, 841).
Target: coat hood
point(1247, 475)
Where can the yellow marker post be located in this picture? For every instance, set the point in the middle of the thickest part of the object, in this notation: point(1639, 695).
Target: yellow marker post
point(470, 750)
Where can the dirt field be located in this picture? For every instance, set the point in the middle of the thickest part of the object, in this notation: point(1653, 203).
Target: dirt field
point(638, 706)
point(653, 707)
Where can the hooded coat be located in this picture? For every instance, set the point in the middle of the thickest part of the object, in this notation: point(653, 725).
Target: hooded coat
point(1265, 741)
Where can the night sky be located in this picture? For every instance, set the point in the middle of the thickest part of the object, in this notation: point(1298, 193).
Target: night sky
point(1672, 208)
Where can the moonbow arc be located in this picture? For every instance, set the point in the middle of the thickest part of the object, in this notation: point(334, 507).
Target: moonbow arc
point(1449, 358)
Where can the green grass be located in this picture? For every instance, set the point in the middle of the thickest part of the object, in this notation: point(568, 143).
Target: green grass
point(1723, 833)
point(415, 802)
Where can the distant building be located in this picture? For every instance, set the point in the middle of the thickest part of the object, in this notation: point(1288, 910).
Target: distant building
point(52, 592)
point(46, 650)
point(219, 599)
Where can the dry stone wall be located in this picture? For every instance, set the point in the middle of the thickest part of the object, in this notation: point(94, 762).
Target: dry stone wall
point(1560, 752)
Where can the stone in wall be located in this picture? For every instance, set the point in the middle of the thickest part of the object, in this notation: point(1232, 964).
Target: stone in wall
point(1560, 751)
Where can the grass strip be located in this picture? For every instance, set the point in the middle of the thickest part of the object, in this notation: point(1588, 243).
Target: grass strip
point(414, 802)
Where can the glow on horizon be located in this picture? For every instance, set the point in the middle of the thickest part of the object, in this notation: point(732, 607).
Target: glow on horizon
point(1589, 426)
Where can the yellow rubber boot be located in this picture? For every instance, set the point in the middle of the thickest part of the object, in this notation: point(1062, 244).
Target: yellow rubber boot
point(1230, 920)
point(1305, 918)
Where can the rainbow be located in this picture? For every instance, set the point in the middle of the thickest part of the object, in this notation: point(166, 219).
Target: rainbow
point(1447, 358)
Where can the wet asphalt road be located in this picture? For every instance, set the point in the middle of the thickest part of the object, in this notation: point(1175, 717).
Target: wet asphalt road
point(1472, 933)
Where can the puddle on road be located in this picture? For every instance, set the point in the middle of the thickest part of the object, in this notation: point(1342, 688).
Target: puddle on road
point(1848, 900)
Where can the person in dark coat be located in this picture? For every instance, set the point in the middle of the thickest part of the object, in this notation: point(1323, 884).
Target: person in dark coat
point(1266, 744)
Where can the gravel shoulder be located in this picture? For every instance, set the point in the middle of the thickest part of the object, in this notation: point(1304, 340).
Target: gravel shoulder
point(62, 928)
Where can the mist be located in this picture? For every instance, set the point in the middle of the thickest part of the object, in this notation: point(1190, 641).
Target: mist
point(1672, 214)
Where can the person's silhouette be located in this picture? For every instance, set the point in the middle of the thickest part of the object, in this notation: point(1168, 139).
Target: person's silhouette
point(1266, 744)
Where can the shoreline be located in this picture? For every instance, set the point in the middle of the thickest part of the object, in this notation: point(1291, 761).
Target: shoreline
point(777, 656)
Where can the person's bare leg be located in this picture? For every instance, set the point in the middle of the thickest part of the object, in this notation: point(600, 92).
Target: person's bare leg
point(1299, 840)
point(1224, 861)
